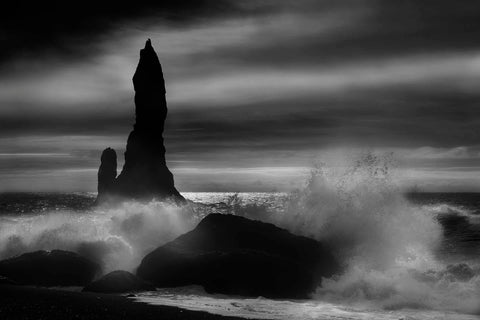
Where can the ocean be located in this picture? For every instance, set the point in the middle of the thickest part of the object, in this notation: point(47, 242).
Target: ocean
point(406, 256)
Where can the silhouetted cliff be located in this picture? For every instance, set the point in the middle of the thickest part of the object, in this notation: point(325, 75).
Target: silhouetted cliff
point(145, 174)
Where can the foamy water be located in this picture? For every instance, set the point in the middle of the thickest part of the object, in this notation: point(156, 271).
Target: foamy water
point(260, 308)
point(116, 237)
point(403, 258)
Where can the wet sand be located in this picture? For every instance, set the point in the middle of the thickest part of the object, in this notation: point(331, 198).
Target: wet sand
point(21, 302)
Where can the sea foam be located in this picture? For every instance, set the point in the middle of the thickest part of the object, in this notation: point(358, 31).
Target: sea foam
point(388, 246)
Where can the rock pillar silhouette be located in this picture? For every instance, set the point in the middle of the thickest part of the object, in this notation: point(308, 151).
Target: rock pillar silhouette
point(145, 174)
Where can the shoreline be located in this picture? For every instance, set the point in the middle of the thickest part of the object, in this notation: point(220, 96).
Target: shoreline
point(23, 302)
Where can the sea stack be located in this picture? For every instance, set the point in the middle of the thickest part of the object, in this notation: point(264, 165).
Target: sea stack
point(145, 175)
point(107, 171)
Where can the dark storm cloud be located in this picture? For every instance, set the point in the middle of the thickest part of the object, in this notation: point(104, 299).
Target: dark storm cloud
point(388, 119)
point(366, 30)
point(60, 27)
point(54, 123)
point(69, 27)
point(249, 83)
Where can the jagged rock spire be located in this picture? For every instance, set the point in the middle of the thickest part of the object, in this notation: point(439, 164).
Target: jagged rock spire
point(145, 174)
point(149, 85)
point(149, 74)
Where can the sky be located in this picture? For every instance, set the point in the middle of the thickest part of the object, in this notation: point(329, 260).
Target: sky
point(258, 92)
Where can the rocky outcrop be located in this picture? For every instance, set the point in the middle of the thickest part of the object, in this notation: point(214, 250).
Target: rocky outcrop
point(145, 174)
point(119, 282)
point(49, 268)
point(234, 255)
point(107, 172)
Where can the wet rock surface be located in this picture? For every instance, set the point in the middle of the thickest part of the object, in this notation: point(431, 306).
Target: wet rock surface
point(234, 255)
point(49, 268)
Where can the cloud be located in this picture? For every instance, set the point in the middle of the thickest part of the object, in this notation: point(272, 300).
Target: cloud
point(250, 84)
point(68, 29)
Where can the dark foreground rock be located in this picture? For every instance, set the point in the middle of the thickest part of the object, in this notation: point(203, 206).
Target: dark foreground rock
point(49, 268)
point(145, 174)
point(234, 255)
point(119, 282)
point(5, 280)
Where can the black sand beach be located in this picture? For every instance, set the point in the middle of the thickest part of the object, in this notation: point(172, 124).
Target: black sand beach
point(21, 302)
